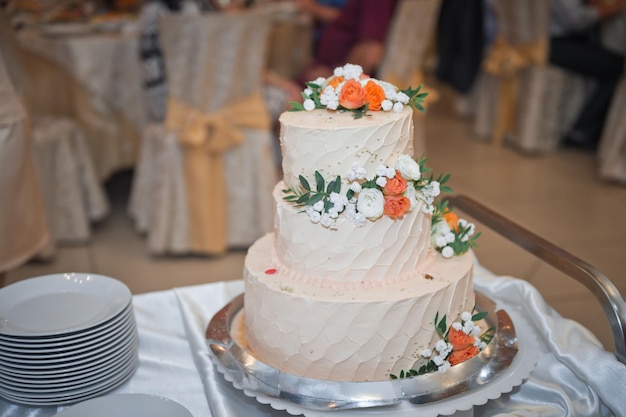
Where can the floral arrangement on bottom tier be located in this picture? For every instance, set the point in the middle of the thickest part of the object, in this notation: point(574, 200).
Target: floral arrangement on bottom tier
point(463, 340)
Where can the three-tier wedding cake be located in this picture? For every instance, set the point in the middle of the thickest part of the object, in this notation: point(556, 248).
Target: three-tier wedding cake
point(363, 262)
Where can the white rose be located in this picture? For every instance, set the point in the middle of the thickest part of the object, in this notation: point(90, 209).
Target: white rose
point(386, 105)
point(409, 169)
point(371, 203)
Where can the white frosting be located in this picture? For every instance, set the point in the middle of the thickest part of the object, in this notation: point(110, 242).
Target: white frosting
point(329, 142)
point(356, 335)
point(385, 250)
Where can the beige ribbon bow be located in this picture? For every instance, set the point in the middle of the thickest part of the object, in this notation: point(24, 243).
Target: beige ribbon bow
point(204, 138)
point(505, 61)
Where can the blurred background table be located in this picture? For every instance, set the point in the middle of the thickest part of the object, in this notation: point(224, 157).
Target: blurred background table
point(101, 86)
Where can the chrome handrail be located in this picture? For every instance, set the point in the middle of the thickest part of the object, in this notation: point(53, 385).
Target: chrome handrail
point(599, 284)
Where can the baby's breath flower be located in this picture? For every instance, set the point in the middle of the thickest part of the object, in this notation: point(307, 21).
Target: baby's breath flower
point(402, 98)
point(457, 326)
point(309, 105)
point(447, 252)
point(438, 360)
point(355, 186)
point(398, 107)
point(386, 105)
point(327, 221)
point(466, 316)
point(381, 181)
point(314, 216)
point(426, 353)
point(444, 366)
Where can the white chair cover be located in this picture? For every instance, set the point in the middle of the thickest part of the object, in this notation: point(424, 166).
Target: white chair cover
point(612, 151)
point(410, 34)
point(23, 229)
point(73, 196)
point(212, 62)
point(548, 99)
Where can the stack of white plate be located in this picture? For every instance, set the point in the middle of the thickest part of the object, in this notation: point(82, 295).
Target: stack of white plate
point(65, 338)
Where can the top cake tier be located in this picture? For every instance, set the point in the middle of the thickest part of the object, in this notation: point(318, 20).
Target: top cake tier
point(330, 142)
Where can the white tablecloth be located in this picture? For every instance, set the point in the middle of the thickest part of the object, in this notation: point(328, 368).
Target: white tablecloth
point(574, 375)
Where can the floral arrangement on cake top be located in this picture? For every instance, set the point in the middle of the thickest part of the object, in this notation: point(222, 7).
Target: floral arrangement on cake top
point(349, 89)
point(391, 191)
point(463, 340)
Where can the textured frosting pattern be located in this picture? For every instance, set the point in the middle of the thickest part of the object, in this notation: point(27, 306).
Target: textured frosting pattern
point(356, 335)
point(330, 142)
point(382, 251)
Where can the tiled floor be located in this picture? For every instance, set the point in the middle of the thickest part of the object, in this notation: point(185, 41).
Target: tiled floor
point(556, 196)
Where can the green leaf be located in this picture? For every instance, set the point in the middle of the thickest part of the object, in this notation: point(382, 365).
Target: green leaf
point(479, 316)
point(337, 187)
point(314, 199)
point(303, 198)
point(320, 182)
point(331, 186)
point(350, 194)
point(295, 106)
point(305, 183)
point(442, 327)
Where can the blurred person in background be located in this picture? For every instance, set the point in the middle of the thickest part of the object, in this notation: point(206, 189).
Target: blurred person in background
point(356, 36)
point(575, 46)
point(323, 12)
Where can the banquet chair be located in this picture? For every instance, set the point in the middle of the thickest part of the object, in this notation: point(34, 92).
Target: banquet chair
point(72, 196)
point(204, 179)
point(411, 32)
point(24, 232)
point(612, 149)
point(520, 96)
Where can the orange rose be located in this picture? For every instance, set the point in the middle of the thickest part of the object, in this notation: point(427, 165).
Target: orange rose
point(395, 185)
point(396, 205)
point(335, 81)
point(452, 219)
point(459, 356)
point(374, 95)
point(459, 340)
point(352, 95)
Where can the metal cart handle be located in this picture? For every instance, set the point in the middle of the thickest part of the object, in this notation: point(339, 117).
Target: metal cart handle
point(599, 284)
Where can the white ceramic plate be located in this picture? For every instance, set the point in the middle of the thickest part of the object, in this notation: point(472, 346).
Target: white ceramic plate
point(127, 405)
point(60, 303)
point(69, 352)
point(62, 341)
point(73, 397)
point(113, 371)
point(65, 377)
point(58, 368)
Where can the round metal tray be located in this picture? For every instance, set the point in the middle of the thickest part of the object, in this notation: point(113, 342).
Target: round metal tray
point(488, 369)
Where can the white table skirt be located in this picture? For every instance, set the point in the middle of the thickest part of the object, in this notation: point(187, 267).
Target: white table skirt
point(575, 376)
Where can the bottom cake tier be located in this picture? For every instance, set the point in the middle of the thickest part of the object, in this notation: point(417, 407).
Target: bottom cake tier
point(348, 334)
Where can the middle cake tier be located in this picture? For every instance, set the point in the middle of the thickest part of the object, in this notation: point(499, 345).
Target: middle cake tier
point(377, 253)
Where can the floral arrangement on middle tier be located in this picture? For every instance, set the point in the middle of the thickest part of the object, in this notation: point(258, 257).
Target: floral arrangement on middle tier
point(391, 191)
